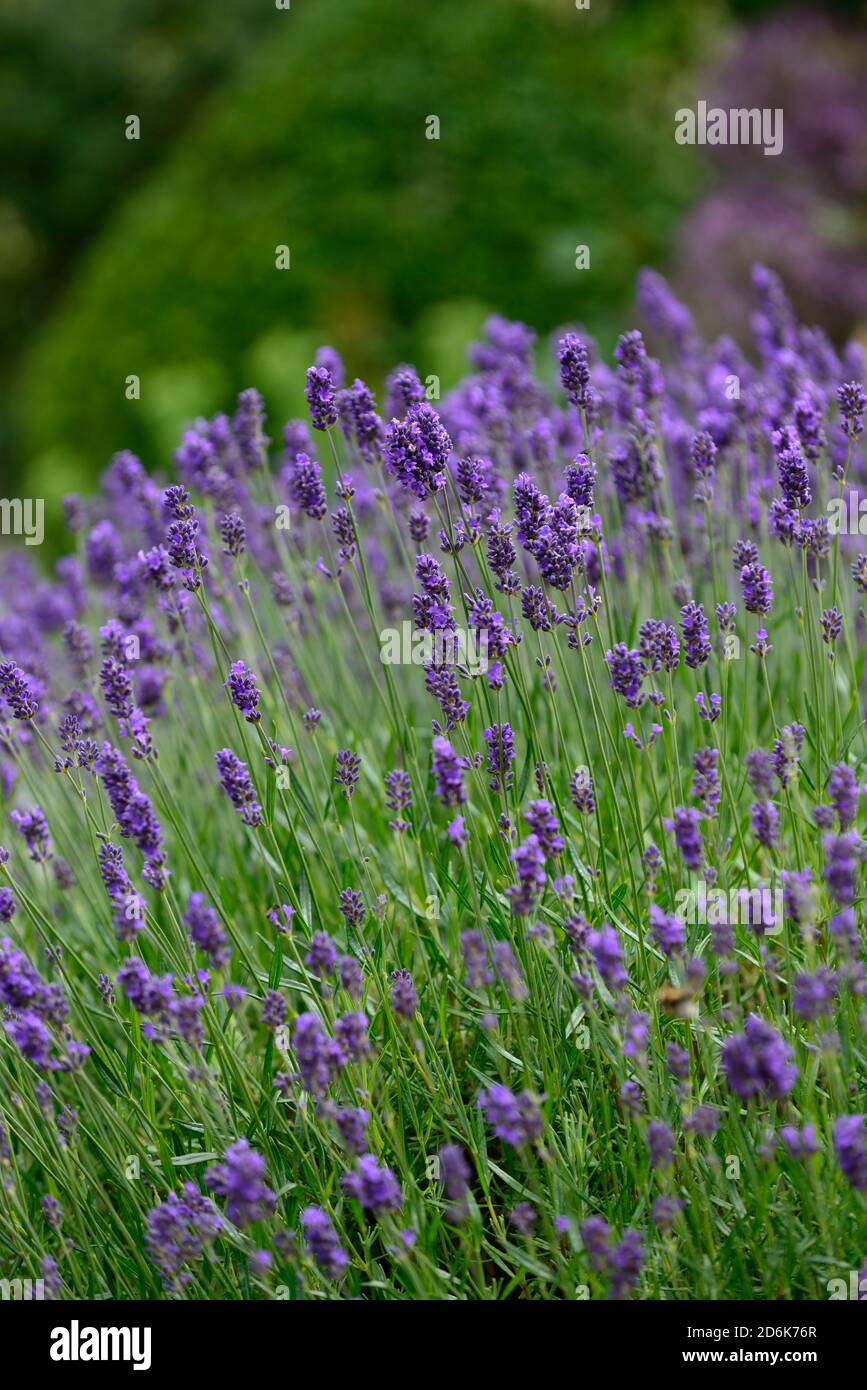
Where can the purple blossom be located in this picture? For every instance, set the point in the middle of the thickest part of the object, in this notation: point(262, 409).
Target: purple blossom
point(545, 826)
point(760, 772)
point(32, 1039)
point(102, 550)
point(501, 754)
point(696, 645)
point(112, 871)
point(704, 1121)
point(744, 553)
point(349, 974)
point(596, 1235)
point(398, 798)
point(814, 995)
point(455, 1174)
point(351, 1124)
point(475, 957)
point(508, 971)
point(844, 855)
point(273, 1010)
point(758, 1062)
point(321, 958)
point(581, 792)
point(626, 1263)
point(607, 952)
point(658, 645)
point(303, 480)
point(574, 370)
point(852, 401)
point(580, 480)
point(667, 931)
point(705, 783)
point(233, 533)
point(236, 783)
point(241, 685)
point(799, 1143)
point(677, 1060)
point(403, 389)
point(798, 895)
point(665, 1211)
point(330, 358)
point(241, 1180)
point(757, 589)
point(347, 768)
point(850, 1146)
point(523, 1217)
point(685, 824)
point(529, 861)
point(660, 1145)
point(448, 772)
point(351, 1032)
point(178, 1230)
point(531, 510)
point(206, 931)
point(442, 683)
point(787, 749)
point(373, 1186)
point(351, 907)
point(320, 398)
point(844, 791)
point(765, 820)
point(133, 811)
point(536, 609)
point(16, 689)
point(322, 1242)
point(359, 420)
point(635, 1034)
point(249, 429)
point(417, 450)
point(792, 469)
point(33, 827)
point(832, 625)
point(515, 1119)
point(404, 999)
point(319, 1057)
point(626, 673)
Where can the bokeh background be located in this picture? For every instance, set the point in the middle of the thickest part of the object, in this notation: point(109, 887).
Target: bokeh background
point(306, 127)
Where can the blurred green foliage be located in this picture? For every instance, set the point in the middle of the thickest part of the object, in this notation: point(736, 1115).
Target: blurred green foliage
point(556, 130)
point(69, 75)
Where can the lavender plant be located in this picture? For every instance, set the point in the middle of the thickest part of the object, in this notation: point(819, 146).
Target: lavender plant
point(325, 974)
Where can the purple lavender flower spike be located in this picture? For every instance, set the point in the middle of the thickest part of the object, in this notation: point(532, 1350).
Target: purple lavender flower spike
point(241, 685)
point(574, 370)
point(322, 1242)
point(375, 1188)
point(758, 1062)
point(850, 1146)
point(516, 1119)
point(320, 398)
point(236, 783)
point(240, 1179)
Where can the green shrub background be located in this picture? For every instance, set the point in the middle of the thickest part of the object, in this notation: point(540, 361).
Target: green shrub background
point(555, 131)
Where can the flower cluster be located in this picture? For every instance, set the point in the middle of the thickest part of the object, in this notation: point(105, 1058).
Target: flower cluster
point(416, 969)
